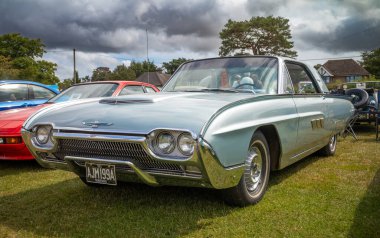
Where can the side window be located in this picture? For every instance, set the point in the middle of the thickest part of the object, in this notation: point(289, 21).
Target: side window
point(37, 92)
point(288, 86)
point(301, 80)
point(149, 89)
point(131, 90)
point(13, 92)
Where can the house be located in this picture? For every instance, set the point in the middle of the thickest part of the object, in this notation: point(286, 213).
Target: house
point(158, 78)
point(345, 70)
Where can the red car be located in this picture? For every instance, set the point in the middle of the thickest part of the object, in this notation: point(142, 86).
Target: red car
point(11, 145)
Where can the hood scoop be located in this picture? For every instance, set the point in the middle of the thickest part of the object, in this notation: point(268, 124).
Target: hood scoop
point(125, 100)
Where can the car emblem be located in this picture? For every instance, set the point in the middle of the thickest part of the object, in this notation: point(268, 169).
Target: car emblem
point(96, 124)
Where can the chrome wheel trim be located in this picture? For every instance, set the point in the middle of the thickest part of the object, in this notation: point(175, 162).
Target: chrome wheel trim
point(253, 173)
point(332, 143)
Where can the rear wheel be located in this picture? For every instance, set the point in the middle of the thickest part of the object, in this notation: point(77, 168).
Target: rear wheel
point(254, 180)
point(330, 148)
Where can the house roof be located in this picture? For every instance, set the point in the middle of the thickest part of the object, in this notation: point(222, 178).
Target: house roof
point(324, 72)
point(344, 67)
point(158, 79)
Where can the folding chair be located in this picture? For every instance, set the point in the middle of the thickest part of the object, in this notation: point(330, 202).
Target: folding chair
point(350, 124)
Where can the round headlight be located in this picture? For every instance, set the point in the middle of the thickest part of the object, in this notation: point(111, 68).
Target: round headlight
point(165, 142)
point(43, 134)
point(186, 144)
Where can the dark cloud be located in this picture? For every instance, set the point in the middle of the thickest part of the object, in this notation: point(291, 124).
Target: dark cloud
point(264, 7)
point(191, 25)
point(357, 30)
point(67, 24)
point(200, 18)
point(356, 27)
point(352, 34)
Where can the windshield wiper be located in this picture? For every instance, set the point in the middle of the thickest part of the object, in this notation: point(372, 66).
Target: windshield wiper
point(231, 90)
point(219, 90)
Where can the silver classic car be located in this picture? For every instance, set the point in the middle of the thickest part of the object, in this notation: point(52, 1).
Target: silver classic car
point(221, 123)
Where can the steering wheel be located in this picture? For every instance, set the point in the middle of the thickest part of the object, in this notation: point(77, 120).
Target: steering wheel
point(247, 84)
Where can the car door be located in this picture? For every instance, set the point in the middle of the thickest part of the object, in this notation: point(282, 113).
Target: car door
point(311, 107)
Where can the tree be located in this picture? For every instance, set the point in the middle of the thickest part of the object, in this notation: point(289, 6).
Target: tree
point(6, 68)
point(40, 71)
point(259, 36)
point(65, 84)
point(145, 66)
point(171, 66)
point(85, 79)
point(101, 74)
point(18, 60)
point(14, 46)
point(371, 62)
point(122, 72)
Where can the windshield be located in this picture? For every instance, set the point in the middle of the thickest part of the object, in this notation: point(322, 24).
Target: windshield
point(85, 91)
point(239, 74)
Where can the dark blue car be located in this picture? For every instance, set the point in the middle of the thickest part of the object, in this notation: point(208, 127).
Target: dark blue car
point(20, 93)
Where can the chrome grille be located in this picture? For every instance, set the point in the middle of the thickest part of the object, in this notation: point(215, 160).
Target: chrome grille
point(111, 150)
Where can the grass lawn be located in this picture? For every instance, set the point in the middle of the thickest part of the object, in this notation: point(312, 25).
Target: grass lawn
point(317, 197)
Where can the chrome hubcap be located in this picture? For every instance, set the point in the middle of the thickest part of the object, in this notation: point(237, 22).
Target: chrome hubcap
point(332, 143)
point(253, 171)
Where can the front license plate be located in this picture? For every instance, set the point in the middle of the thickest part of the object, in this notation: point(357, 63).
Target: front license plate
point(100, 173)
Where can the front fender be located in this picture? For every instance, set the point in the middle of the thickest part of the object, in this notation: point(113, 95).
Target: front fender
point(229, 132)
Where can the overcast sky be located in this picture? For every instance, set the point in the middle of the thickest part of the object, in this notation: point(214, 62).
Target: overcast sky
point(112, 32)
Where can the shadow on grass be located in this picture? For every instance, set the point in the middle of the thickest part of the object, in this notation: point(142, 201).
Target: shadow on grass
point(71, 209)
point(277, 177)
point(14, 167)
point(367, 215)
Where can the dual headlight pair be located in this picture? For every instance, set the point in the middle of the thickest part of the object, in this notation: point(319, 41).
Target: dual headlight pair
point(172, 142)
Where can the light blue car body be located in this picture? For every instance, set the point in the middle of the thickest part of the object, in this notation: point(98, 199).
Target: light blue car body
point(5, 105)
point(222, 125)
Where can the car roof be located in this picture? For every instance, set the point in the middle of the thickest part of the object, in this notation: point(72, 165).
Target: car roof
point(238, 56)
point(122, 82)
point(16, 81)
point(20, 81)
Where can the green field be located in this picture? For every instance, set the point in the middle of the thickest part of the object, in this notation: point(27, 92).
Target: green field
point(317, 197)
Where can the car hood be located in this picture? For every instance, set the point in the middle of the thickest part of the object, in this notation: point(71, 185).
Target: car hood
point(12, 120)
point(139, 113)
point(20, 114)
point(10, 128)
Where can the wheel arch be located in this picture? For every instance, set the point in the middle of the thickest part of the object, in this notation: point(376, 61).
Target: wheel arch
point(271, 135)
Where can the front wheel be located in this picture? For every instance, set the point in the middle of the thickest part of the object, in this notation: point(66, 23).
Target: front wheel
point(254, 180)
point(330, 148)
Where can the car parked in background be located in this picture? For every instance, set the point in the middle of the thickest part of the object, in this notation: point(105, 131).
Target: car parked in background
point(20, 93)
point(11, 145)
point(372, 105)
point(205, 129)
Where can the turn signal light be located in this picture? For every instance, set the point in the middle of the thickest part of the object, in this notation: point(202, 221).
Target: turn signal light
point(12, 140)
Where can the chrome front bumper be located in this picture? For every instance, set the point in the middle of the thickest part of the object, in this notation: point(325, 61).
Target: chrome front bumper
point(209, 173)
